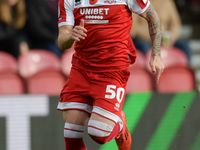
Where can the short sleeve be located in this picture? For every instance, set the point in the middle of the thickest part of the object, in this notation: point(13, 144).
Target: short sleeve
point(138, 6)
point(65, 12)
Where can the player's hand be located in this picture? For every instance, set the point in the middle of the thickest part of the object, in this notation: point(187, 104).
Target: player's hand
point(79, 32)
point(157, 66)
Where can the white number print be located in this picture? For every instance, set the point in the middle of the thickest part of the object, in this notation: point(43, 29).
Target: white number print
point(120, 91)
point(110, 90)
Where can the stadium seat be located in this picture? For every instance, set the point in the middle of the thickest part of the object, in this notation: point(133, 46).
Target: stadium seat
point(37, 60)
point(11, 83)
point(139, 81)
point(177, 76)
point(42, 72)
point(176, 79)
point(7, 63)
point(140, 61)
point(66, 61)
point(48, 82)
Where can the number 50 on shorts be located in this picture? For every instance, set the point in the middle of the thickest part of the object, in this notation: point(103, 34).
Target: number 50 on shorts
point(112, 92)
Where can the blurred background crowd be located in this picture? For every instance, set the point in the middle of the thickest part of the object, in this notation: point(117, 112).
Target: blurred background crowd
point(27, 26)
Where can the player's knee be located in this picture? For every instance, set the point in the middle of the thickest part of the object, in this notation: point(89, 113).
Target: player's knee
point(99, 131)
point(75, 117)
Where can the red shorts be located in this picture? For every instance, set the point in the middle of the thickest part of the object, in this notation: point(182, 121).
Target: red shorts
point(101, 93)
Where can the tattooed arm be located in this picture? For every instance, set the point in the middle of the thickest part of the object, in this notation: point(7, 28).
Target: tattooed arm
point(154, 25)
point(154, 29)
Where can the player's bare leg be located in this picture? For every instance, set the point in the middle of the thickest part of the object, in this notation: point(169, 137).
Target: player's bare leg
point(75, 116)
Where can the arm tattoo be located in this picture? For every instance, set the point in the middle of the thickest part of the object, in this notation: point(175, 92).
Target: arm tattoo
point(154, 30)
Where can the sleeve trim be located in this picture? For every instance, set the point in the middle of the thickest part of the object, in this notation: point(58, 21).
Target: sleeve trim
point(143, 10)
point(65, 23)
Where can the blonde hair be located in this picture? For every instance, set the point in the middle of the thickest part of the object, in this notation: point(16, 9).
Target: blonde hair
point(19, 19)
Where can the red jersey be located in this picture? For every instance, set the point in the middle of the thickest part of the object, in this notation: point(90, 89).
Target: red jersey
point(108, 46)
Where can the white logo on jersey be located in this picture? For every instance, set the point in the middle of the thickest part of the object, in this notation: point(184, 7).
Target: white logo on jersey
point(94, 11)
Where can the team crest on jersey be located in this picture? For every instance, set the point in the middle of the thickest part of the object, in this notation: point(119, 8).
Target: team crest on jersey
point(110, 1)
point(77, 2)
point(92, 2)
